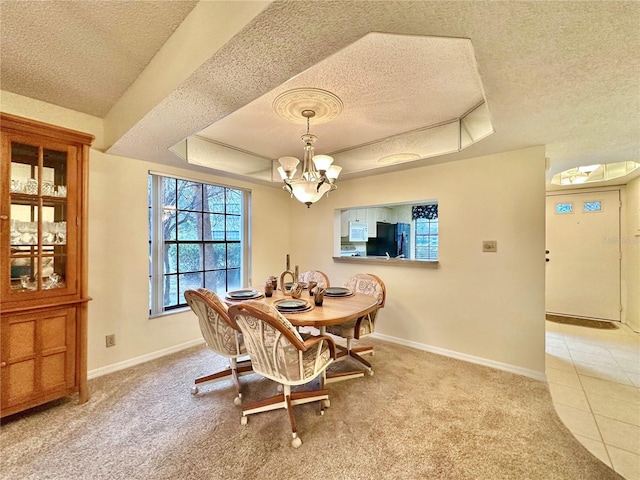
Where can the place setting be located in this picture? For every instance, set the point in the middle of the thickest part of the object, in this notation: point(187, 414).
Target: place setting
point(292, 305)
point(338, 292)
point(244, 294)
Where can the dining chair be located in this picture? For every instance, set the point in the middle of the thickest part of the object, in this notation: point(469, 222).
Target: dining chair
point(317, 276)
point(279, 353)
point(355, 329)
point(220, 336)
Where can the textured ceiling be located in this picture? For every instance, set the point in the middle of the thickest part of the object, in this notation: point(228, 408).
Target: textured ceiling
point(560, 74)
point(439, 83)
point(82, 55)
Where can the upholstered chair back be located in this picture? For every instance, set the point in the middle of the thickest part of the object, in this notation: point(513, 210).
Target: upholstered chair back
point(275, 347)
point(217, 330)
point(317, 276)
point(371, 285)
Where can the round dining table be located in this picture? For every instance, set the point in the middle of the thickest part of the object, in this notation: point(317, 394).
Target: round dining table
point(333, 311)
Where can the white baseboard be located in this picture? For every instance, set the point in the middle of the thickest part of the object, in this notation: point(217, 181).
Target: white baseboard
point(114, 367)
point(408, 343)
point(463, 356)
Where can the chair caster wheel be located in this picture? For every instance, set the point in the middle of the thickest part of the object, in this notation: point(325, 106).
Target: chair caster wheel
point(326, 403)
point(238, 400)
point(279, 388)
point(370, 372)
point(194, 390)
point(243, 420)
point(296, 442)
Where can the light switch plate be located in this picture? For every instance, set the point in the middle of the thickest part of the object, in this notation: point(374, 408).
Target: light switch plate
point(490, 246)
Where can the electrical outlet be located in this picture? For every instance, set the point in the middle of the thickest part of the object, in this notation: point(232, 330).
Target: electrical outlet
point(111, 340)
point(490, 246)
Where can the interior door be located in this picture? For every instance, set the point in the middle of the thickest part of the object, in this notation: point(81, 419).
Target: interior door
point(583, 266)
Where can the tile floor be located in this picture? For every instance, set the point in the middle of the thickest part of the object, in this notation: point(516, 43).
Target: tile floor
point(594, 378)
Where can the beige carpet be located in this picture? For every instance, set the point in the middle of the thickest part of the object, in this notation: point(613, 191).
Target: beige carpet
point(421, 416)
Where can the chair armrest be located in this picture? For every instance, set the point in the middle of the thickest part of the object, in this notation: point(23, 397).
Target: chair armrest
point(356, 327)
point(371, 317)
point(311, 341)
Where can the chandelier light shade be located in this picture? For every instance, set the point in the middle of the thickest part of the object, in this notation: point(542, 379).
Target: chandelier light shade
point(318, 175)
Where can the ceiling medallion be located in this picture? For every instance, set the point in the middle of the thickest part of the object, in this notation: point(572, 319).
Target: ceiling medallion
point(290, 105)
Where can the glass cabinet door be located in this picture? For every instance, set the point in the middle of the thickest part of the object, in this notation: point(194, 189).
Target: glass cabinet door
point(41, 245)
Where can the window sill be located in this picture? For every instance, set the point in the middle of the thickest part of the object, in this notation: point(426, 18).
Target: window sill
point(404, 262)
point(173, 311)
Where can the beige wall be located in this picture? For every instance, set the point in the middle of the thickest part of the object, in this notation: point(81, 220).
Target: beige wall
point(631, 253)
point(118, 258)
point(485, 305)
point(118, 262)
point(489, 307)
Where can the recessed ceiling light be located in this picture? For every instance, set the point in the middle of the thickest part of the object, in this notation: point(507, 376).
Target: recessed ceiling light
point(398, 158)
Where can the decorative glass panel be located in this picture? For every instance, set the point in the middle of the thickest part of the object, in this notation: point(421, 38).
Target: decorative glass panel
point(594, 206)
point(563, 208)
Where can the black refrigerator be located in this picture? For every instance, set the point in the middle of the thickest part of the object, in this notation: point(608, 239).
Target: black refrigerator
point(391, 238)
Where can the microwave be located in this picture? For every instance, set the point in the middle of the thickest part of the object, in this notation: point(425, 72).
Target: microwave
point(358, 232)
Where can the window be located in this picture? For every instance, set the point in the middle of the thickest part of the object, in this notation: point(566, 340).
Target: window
point(425, 220)
point(593, 206)
point(198, 237)
point(564, 208)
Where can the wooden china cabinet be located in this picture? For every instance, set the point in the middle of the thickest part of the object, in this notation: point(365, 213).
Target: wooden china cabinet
point(43, 263)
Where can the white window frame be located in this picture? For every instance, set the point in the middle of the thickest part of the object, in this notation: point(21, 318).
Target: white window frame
point(156, 258)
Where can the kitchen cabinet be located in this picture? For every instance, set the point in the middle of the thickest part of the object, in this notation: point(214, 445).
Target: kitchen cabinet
point(344, 223)
point(358, 215)
point(378, 214)
point(43, 263)
point(370, 216)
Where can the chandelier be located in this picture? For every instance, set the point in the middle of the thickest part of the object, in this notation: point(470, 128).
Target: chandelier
point(318, 174)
